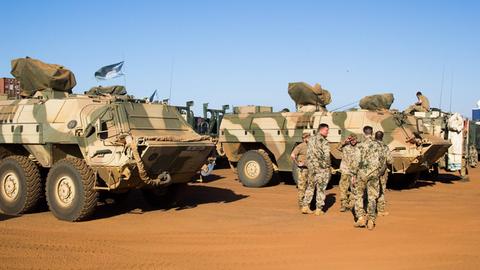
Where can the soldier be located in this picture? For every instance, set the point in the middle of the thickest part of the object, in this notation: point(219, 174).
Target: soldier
point(386, 159)
point(299, 156)
point(348, 169)
point(367, 179)
point(422, 105)
point(318, 163)
point(473, 157)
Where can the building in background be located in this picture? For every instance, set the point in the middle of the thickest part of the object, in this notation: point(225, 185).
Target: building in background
point(10, 87)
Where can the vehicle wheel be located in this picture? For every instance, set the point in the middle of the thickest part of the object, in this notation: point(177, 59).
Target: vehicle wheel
point(255, 169)
point(20, 185)
point(161, 197)
point(70, 190)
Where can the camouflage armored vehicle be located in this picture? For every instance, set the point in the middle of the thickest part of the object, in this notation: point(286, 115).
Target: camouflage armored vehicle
point(75, 146)
point(258, 141)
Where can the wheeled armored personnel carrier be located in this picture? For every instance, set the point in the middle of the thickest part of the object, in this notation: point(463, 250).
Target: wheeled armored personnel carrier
point(75, 146)
point(258, 141)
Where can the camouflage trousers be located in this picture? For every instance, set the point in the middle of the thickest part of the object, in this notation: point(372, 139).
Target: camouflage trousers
point(371, 184)
point(317, 180)
point(414, 108)
point(345, 185)
point(381, 202)
point(302, 184)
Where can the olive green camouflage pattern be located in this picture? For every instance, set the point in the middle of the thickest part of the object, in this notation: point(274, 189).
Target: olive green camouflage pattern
point(318, 182)
point(346, 190)
point(302, 185)
point(111, 143)
point(350, 159)
point(348, 168)
point(318, 164)
point(386, 159)
point(415, 142)
point(368, 177)
point(473, 156)
point(318, 153)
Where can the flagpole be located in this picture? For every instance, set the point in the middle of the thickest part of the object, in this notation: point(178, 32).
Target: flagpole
point(124, 75)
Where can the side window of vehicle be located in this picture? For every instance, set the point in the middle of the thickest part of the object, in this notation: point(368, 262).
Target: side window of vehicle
point(107, 126)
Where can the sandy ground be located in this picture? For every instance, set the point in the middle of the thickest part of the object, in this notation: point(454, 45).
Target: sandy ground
point(223, 225)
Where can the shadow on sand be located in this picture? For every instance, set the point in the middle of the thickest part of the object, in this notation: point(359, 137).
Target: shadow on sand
point(187, 197)
point(4, 217)
point(407, 181)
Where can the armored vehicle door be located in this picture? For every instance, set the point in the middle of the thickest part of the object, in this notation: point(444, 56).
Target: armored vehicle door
point(102, 136)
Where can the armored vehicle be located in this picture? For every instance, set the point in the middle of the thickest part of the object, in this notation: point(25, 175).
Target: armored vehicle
point(75, 146)
point(258, 141)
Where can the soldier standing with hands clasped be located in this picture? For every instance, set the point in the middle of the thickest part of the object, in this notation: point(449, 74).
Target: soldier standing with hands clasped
point(318, 163)
point(348, 169)
point(386, 158)
point(299, 156)
point(368, 179)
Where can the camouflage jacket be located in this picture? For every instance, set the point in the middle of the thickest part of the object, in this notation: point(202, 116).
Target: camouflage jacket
point(386, 157)
point(318, 153)
point(370, 157)
point(350, 159)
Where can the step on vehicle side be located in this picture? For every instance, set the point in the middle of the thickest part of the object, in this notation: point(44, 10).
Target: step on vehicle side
point(103, 141)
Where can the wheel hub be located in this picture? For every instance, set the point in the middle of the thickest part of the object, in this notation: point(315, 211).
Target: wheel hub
point(252, 169)
point(11, 185)
point(65, 191)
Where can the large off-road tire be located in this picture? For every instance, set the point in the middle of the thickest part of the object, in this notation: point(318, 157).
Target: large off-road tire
point(20, 185)
point(164, 197)
point(70, 190)
point(255, 169)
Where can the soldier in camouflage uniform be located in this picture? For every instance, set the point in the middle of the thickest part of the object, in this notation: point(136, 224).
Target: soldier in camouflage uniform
point(386, 159)
point(473, 156)
point(367, 179)
point(299, 156)
point(318, 163)
point(348, 169)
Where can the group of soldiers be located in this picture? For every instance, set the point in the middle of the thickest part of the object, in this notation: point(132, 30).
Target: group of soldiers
point(363, 174)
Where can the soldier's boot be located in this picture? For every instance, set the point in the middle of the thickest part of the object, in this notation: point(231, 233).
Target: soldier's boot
point(306, 210)
point(370, 224)
point(361, 222)
point(343, 208)
point(319, 212)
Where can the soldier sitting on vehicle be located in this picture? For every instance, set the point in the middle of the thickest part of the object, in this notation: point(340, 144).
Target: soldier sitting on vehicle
point(422, 105)
point(299, 156)
point(348, 169)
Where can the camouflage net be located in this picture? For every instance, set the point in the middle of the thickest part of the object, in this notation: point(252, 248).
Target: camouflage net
point(377, 102)
point(305, 94)
point(117, 90)
point(35, 75)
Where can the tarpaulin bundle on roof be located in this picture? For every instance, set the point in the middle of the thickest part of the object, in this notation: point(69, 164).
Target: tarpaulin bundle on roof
point(35, 75)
